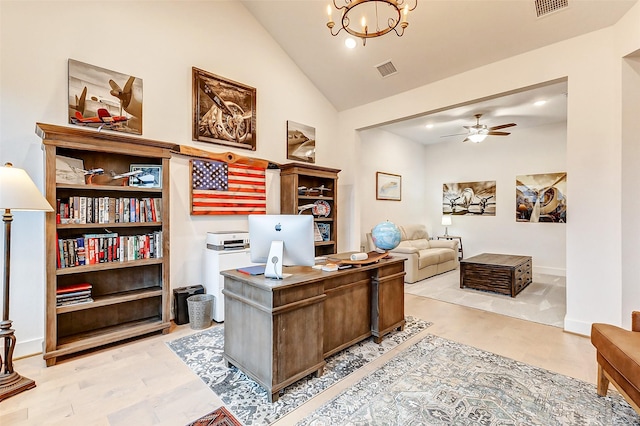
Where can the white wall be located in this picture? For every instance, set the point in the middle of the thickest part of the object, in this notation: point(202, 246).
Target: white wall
point(592, 64)
point(630, 185)
point(386, 152)
point(158, 42)
point(526, 151)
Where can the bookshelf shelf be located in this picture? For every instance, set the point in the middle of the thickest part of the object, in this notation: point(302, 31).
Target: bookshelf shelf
point(312, 198)
point(110, 188)
point(325, 243)
point(112, 299)
point(128, 298)
point(323, 219)
point(75, 343)
point(108, 266)
point(293, 177)
point(63, 226)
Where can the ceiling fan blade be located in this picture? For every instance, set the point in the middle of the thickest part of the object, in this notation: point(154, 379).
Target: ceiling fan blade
point(498, 133)
point(466, 139)
point(502, 126)
point(457, 134)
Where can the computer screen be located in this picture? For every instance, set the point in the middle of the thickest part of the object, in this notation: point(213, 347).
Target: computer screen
point(295, 232)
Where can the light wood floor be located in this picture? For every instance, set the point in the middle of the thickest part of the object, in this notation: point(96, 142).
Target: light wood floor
point(144, 383)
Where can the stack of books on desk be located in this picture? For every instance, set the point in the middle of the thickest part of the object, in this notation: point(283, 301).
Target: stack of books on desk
point(73, 294)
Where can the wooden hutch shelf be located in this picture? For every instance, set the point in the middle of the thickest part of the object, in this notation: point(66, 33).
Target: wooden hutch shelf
point(306, 184)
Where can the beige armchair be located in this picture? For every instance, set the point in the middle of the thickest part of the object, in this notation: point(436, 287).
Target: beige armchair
point(425, 257)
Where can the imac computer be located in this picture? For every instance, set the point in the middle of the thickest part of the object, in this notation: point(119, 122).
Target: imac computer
point(278, 240)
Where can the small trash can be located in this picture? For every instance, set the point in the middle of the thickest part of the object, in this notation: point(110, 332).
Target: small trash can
point(180, 296)
point(199, 306)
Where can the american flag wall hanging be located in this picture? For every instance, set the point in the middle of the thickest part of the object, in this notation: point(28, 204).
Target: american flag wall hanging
point(220, 188)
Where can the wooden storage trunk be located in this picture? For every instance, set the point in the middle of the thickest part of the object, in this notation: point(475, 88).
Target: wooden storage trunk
point(499, 273)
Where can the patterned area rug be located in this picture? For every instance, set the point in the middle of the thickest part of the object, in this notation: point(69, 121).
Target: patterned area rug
point(219, 417)
point(247, 400)
point(440, 382)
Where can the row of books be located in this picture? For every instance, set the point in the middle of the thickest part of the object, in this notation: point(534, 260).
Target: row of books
point(74, 294)
point(109, 247)
point(80, 209)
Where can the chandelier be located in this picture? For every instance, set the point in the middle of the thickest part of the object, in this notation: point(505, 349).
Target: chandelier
point(371, 18)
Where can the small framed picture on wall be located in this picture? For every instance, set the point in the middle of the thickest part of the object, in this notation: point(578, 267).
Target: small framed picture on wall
point(388, 186)
point(301, 142)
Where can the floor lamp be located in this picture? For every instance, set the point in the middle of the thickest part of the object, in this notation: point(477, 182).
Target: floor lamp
point(17, 192)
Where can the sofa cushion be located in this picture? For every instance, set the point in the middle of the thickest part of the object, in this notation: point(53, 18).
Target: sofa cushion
point(428, 257)
point(435, 256)
point(621, 348)
point(415, 244)
point(413, 232)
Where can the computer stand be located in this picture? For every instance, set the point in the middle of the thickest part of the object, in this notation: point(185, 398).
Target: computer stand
point(273, 268)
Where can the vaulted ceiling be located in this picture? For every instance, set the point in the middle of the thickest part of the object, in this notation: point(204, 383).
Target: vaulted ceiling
point(444, 38)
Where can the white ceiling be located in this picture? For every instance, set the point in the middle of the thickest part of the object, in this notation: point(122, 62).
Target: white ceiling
point(444, 38)
point(518, 107)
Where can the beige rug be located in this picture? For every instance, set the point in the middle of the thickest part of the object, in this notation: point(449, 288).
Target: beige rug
point(441, 382)
point(543, 301)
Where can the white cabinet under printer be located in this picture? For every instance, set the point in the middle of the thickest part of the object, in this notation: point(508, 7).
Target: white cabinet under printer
point(224, 250)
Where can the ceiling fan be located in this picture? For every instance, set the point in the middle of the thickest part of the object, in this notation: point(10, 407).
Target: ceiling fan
point(478, 132)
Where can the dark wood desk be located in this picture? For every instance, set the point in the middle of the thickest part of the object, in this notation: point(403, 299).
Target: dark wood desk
point(279, 331)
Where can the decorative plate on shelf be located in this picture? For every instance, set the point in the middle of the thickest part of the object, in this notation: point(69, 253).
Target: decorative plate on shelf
point(321, 208)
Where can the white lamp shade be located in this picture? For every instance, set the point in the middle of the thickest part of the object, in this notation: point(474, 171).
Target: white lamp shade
point(18, 192)
point(446, 220)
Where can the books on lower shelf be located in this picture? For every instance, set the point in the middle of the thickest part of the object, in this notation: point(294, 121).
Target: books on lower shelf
point(73, 294)
point(91, 249)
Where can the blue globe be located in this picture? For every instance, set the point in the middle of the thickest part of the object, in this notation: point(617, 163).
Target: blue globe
point(386, 235)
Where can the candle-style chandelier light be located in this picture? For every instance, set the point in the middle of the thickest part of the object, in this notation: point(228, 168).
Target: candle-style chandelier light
point(371, 18)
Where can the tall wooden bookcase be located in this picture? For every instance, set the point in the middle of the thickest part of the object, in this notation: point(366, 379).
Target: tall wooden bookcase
point(306, 184)
point(131, 298)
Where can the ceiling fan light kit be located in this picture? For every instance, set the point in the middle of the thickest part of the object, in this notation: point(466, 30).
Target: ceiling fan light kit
point(478, 137)
point(378, 17)
point(478, 132)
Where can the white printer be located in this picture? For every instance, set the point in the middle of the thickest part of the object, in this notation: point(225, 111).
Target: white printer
point(227, 240)
point(223, 250)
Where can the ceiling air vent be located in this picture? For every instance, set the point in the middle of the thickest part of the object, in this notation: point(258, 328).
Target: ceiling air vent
point(386, 69)
point(545, 7)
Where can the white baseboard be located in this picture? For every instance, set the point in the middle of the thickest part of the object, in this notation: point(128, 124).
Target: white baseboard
point(560, 272)
point(28, 348)
point(578, 327)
